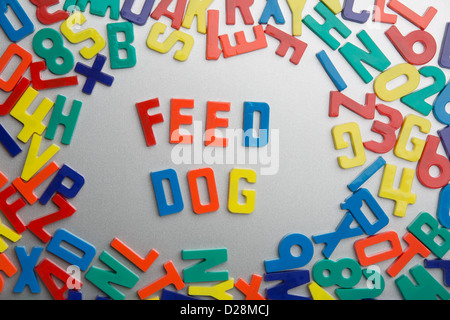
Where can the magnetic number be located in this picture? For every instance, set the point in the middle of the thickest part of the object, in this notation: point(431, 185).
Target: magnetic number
point(56, 51)
point(335, 273)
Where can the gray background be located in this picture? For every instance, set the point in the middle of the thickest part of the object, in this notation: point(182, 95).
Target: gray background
point(109, 150)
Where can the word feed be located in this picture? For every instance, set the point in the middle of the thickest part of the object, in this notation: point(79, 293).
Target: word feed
point(364, 219)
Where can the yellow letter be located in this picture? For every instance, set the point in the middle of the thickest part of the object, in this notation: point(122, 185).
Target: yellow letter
point(233, 193)
point(87, 52)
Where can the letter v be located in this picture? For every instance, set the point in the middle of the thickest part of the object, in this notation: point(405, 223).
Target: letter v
point(34, 162)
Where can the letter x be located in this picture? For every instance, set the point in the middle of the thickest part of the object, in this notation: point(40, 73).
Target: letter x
point(28, 262)
point(94, 74)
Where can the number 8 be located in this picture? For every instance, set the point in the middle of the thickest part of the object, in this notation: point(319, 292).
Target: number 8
point(57, 50)
point(335, 274)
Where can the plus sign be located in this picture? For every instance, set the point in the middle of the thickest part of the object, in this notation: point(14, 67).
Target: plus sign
point(94, 74)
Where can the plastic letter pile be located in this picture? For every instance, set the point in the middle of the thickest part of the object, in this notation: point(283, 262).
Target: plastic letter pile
point(56, 26)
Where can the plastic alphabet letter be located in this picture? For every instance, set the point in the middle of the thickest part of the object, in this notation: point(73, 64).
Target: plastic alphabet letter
point(402, 196)
point(47, 271)
point(27, 25)
point(352, 128)
point(389, 236)
point(10, 210)
point(25, 61)
point(172, 277)
point(33, 161)
point(296, 7)
point(334, 274)
point(26, 189)
point(40, 84)
point(323, 30)
point(244, 8)
point(318, 293)
point(159, 28)
point(77, 18)
point(250, 289)
point(427, 288)
point(343, 231)
point(403, 69)
point(171, 295)
point(379, 15)
point(373, 290)
point(262, 138)
point(164, 207)
point(3, 179)
point(374, 57)
point(218, 291)
point(14, 96)
point(444, 56)
point(431, 158)
point(97, 7)
point(233, 192)
point(64, 236)
point(354, 204)
point(367, 174)
point(43, 14)
point(420, 21)
point(444, 135)
point(443, 211)
point(32, 123)
point(94, 74)
point(196, 8)
point(272, 9)
point(147, 121)
point(212, 122)
point(386, 130)
point(176, 16)
point(289, 280)
point(286, 42)
point(242, 45)
point(287, 260)
point(331, 70)
point(67, 121)
point(414, 247)
point(9, 143)
point(210, 259)
point(7, 267)
point(58, 58)
point(417, 100)
point(65, 210)
point(103, 279)
point(349, 14)
point(114, 45)
point(441, 264)
point(400, 149)
point(27, 276)
point(434, 232)
point(213, 197)
point(139, 19)
point(56, 185)
point(333, 5)
point(213, 51)
point(74, 295)
point(440, 111)
point(8, 233)
point(405, 45)
point(338, 99)
point(142, 263)
point(177, 119)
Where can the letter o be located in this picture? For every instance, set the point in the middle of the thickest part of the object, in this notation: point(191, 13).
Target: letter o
point(380, 83)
